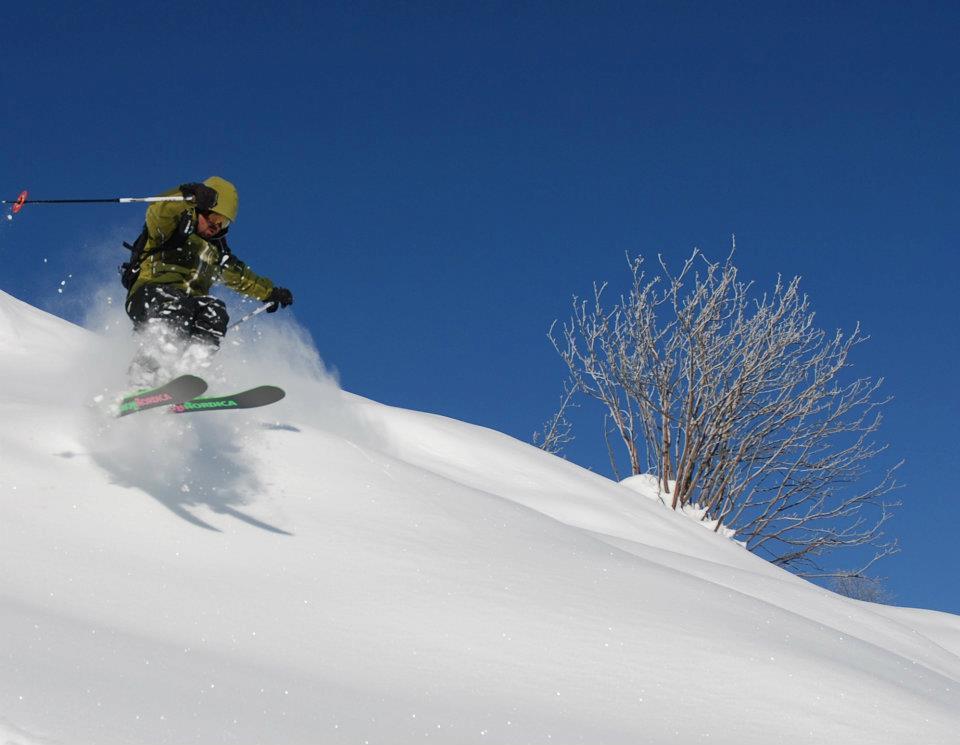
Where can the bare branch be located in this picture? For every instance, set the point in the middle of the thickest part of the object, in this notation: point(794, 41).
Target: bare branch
point(557, 431)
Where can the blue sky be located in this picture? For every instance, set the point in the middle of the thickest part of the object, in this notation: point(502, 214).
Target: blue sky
point(435, 180)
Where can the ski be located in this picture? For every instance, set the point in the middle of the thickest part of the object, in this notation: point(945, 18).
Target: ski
point(250, 399)
point(176, 391)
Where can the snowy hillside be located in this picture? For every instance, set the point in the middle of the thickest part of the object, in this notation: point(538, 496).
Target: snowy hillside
point(331, 570)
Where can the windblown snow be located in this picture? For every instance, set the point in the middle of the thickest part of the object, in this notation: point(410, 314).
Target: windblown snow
point(332, 570)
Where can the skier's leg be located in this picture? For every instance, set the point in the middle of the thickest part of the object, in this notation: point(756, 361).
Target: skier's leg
point(161, 303)
point(208, 325)
point(210, 320)
point(162, 318)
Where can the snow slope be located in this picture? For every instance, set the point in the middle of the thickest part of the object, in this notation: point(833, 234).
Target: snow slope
point(331, 570)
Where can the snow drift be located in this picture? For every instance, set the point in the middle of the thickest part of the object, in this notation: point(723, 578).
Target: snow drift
point(331, 570)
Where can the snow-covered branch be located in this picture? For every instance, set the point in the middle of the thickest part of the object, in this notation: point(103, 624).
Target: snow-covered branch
point(740, 403)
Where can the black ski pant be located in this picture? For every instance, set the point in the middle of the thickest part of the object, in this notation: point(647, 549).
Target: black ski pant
point(200, 317)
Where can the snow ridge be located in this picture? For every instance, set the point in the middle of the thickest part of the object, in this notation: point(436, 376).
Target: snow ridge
point(329, 569)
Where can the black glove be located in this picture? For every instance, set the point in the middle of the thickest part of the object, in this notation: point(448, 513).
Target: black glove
point(204, 197)
point(281, 297)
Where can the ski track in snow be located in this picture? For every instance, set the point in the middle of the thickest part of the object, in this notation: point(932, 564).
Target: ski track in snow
point(332, 570)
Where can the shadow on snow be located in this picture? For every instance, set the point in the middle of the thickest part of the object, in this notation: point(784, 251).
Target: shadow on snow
point(202, 462)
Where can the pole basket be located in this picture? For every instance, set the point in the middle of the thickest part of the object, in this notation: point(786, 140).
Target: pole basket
point(18, 205)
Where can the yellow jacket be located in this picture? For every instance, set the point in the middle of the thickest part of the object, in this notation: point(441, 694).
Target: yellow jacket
point(196, 265)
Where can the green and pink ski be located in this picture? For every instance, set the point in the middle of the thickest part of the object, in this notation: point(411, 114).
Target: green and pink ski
point(174, 392)
point(250, 399)
point(181, 396)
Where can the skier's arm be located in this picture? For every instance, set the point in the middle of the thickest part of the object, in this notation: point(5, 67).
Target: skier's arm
point(238, 276)
point(163, 218)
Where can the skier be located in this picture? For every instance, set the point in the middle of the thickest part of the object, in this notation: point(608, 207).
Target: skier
point(181, 252)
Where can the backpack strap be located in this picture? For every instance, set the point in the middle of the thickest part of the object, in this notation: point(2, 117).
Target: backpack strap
point(130, 270)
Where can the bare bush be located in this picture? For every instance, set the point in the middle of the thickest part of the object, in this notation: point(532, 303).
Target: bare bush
point(742, 402)
point(869, 589)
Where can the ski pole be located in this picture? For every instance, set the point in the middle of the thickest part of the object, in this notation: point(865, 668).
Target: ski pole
point(22, 200)
point(250, 315)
